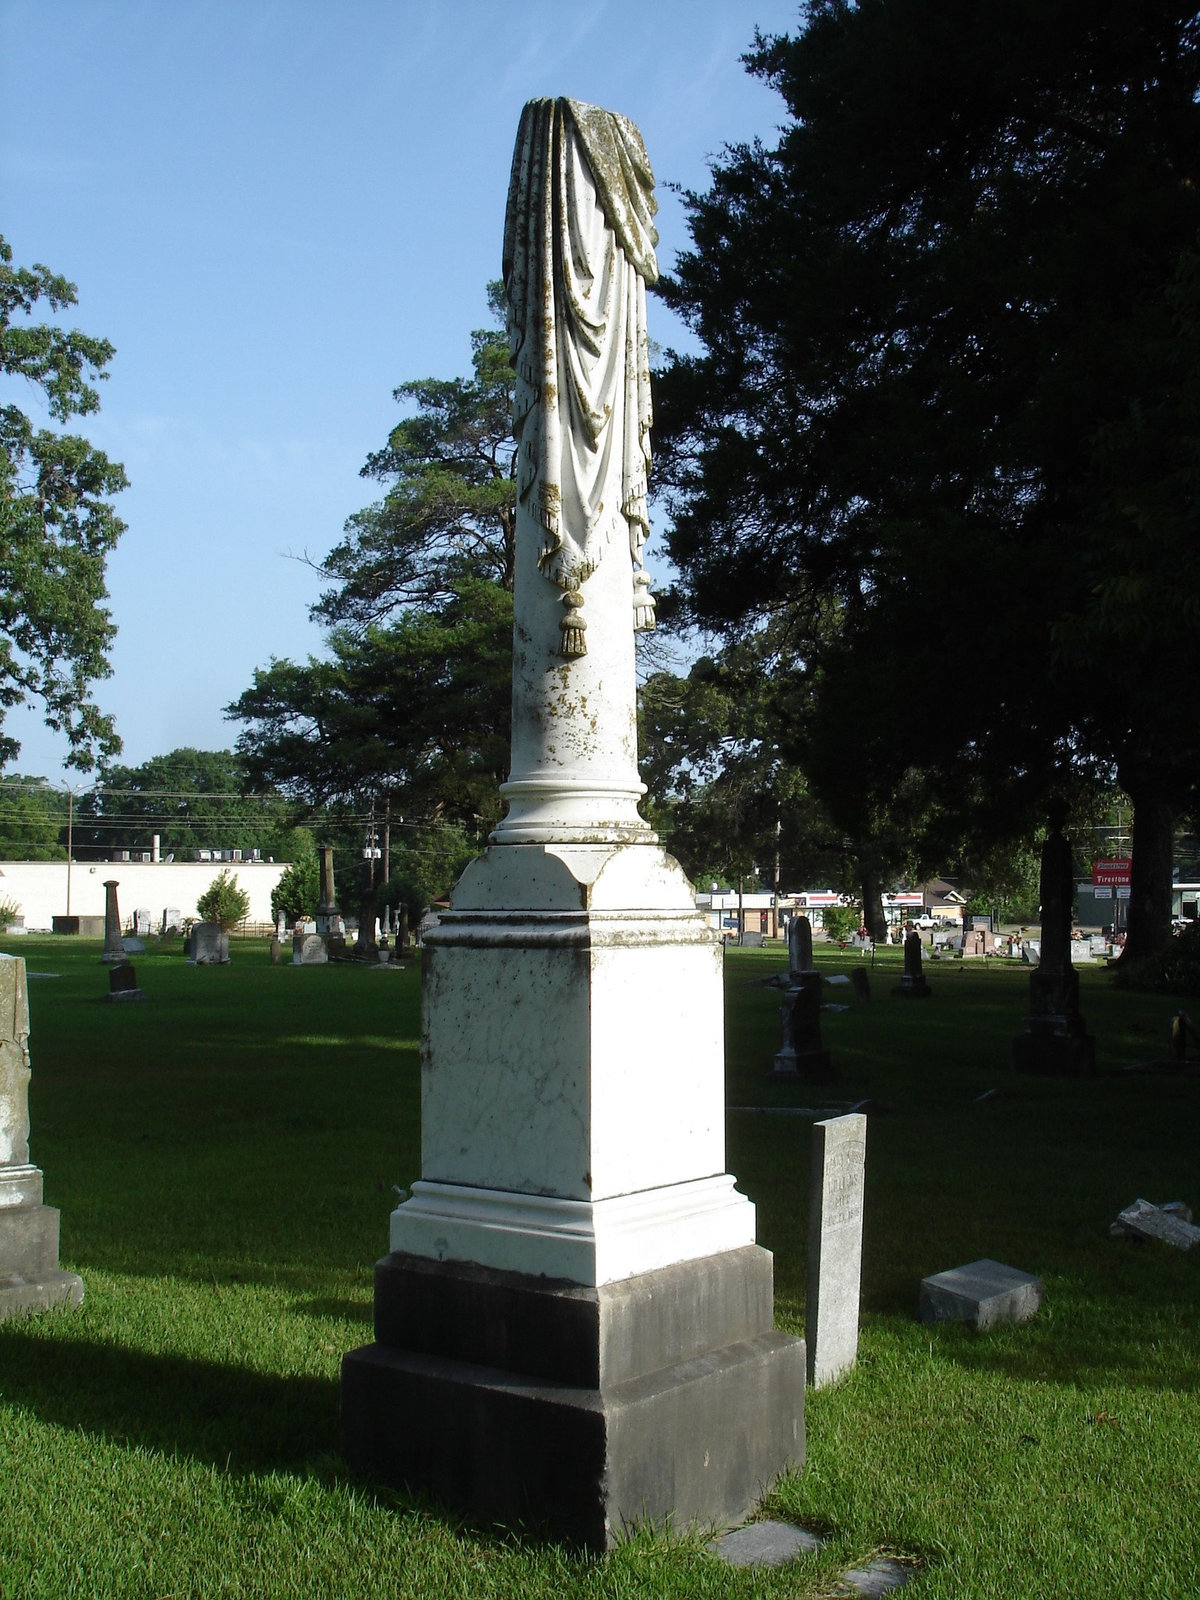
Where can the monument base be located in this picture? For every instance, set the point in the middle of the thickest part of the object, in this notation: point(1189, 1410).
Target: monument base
point(910, 988)
point(1055, 1053)
point(805, 1066)
point(30, 1276)
point(666, 1398)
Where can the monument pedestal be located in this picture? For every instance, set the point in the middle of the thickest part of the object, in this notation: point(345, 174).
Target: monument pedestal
point(30, 1276)
point(1055, 1040)
point(1055, 1046)
point(578, 1410)
point(574, 1328)
point(803, 1057)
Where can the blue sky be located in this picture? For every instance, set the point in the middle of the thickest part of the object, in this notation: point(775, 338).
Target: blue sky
point(277, 212)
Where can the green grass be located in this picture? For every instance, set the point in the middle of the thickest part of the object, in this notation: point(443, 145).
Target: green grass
point(224, 1157)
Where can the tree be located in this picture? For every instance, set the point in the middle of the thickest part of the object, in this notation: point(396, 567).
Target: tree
point(449, 513)
point(224, 901)
point(419, 709)
point(298, 892)
point(33, 820)
point(950, 326)
point(193, 799)
point(56, 525)
point(413, 698)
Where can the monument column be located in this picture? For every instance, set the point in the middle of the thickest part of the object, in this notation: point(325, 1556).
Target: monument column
point(30, 1276)
point(574, 1327)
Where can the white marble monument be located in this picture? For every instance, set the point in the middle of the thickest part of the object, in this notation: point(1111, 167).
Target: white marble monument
point(574, 1327)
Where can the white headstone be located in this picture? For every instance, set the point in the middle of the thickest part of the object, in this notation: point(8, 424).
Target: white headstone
point(835, 1222)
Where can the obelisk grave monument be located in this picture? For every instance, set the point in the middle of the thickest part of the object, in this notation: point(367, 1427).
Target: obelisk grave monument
point(574, 1328)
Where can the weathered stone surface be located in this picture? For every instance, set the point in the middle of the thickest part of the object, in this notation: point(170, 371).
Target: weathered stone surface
point(877, 1577)
point(694, 1441)
point(210, 947)
point(982, 1294)
point(30, 1277)
point(764, 1544)
point(309, 950)
point(114, 950)
point(1172, 1224)
point(862, 983)
point(573, 1108)
point(835, 1221)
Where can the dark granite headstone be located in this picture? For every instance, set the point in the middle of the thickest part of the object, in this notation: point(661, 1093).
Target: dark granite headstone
point(861, 983)
point(803, 1056)
point(122, 982)
point(912, 985)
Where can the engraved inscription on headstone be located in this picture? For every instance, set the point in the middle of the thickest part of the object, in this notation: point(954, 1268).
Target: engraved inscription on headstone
point(835, 1246)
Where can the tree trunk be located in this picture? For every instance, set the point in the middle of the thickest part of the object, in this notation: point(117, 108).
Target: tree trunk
point(872, 904)
point(1149, 925)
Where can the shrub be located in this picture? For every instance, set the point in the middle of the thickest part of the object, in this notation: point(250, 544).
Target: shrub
point(9, 912)
point(223, 902)
point(840, 922)
point(1175, 969)
point(298, 892)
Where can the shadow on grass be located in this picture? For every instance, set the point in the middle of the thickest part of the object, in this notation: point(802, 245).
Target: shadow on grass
point(334, 1310)
point(228, 1417)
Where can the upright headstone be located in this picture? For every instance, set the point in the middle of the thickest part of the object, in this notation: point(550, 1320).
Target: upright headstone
point(210, 946)
point(280, 925)
point(172, 920)
point(861, 983)
point(114, 950)
point(575, 1324)
point(800, 947)
point(309, 950)
point(835, 1223)
point(1054, 1038)
point(143, 922)
point(30, 1276)
point(912, 985)
point(122, 982)
point(803, 1055)
point(330, 924)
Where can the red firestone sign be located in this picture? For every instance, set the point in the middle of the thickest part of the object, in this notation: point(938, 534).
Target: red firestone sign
point(1113, 873)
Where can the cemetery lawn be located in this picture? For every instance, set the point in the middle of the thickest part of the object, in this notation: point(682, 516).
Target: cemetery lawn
point(225, 1157)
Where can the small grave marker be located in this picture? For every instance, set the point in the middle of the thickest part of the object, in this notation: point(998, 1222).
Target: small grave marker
point(982, 1294)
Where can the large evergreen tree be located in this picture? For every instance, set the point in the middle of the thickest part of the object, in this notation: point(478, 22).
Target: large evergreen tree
point(948, 399)
point(412, 700)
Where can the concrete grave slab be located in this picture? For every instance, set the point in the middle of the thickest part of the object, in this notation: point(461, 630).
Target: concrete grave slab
point(764, 1544)
point(878, 1577)
point(982, 1294)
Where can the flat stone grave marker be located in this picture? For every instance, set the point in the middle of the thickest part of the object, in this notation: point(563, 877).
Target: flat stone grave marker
point(835, 1220)
point(1171, 1223)
point(983, 1295)
point(764, 1544)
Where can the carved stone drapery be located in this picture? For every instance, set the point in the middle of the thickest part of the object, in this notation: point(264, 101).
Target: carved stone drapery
point(578, 253)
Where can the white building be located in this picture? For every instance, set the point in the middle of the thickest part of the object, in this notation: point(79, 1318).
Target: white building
point(41, 890)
